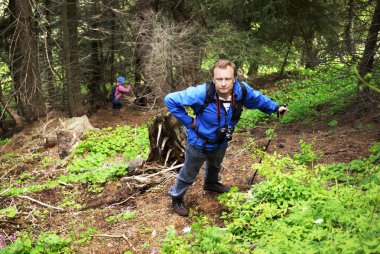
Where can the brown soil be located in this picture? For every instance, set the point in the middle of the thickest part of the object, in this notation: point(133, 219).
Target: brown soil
point(356, 131)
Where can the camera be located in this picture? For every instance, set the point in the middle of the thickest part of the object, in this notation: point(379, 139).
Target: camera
point(225, 133)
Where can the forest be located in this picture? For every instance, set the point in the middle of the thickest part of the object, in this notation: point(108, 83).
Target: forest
point(78, 177)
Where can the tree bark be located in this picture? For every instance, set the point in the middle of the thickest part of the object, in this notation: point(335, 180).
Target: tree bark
point(253, 69)
point(71, 58)
point(111, 60)
point(51, 91)
point(286, 56)
point(366, 63)
point(348, 41)
point(309, 54)
point(96, 98)
point(24, 63)
point(19, 120)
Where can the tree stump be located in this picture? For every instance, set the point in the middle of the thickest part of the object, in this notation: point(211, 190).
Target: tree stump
point(167, 139)
point(71, 132)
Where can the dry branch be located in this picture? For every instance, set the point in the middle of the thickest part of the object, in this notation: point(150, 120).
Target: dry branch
point(122, 202)
point(41, 203)
point(166, 170)
point(143, 178)
point(5, 191)
point(117, 236)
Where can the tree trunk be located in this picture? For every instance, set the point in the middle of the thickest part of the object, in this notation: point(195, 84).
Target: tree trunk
point(253, 69)
point(96, 98)
point(138, 75)
point(111, 60)
point(71, 58)
point(366, 64)
point(309, 54)
point(348, 41)
point(19, 120)
point(24, 63)
point(51, 91)
point(286, 56)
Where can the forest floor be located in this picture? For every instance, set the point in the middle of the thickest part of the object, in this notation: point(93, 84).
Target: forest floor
point(357, 129)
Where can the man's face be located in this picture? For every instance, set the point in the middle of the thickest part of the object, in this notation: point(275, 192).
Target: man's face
point(224, 81)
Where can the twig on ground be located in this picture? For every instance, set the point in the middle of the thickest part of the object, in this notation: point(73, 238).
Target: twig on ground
point(117, 236)
point(122, 202)
point(66, 184)
point(154, 103)
point(41, 203)
point(157, 173)
point(12, 168)
point(5, 191)
point(166, 170)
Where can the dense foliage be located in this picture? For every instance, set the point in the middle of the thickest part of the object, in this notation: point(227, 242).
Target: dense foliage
point(101, 156)
point(300, 207)
point(314, 94)
point(328, 209)
point(162, 46)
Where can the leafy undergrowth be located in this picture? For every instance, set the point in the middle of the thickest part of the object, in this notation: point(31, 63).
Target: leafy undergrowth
point(315, 93)
point(101, 156)
point(300, 208)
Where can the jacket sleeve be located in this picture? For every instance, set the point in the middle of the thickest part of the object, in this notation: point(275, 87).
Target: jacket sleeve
point(256, 100)
point(125, 90)
point(178, 100)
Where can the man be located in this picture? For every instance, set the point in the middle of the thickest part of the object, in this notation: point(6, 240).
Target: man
point(119, 89)
point(210, 130)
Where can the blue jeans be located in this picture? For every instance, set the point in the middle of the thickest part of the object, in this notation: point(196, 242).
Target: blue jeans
point(194, 159)
point(116, 104)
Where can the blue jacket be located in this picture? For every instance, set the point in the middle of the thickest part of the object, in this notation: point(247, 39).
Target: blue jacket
point(207, 123)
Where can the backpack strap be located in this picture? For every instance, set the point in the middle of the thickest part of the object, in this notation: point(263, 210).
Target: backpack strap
point(210, 96)
point(238, 107)
point(244, 92)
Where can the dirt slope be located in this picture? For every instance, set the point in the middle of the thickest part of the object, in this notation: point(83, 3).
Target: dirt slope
point(355, 133)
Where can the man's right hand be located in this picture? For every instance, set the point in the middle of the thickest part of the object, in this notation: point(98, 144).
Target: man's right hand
point(282, 110)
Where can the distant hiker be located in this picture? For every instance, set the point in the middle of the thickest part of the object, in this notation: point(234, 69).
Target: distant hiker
point(217, 106)
point(117, 91)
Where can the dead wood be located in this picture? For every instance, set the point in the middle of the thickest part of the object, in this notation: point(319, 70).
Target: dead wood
point(71, 132)
point(110, 198)
point(41, 203)
point(167, 139)
point(19, 120)
point(117, 236)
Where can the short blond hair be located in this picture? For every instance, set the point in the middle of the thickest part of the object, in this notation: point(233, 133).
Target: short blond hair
point(223, 64)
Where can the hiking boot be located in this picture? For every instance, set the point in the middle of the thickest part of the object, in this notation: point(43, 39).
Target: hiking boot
point(179, 207)
point(216, 187)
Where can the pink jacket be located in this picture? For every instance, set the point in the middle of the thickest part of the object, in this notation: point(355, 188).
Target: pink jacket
point(121, 89)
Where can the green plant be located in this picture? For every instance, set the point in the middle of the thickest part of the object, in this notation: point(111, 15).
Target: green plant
point(25, 176)
point(307, 155)
point(371, 126)
point(46, 161)
point(47, 243)
point(10, 212)
point(4, 141)
point(333, 123)
point(126, 215)
point(320, 92)
point(86, 236)
point(331, 209)
point(103, 154)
